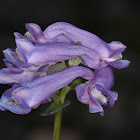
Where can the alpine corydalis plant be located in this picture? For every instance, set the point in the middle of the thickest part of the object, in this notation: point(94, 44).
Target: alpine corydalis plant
point(45, 66)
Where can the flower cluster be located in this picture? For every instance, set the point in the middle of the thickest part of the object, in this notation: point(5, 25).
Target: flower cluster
point(28, 67)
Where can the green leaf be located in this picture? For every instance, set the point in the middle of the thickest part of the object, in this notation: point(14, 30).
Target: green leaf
point(56, 68)
point(54, 108)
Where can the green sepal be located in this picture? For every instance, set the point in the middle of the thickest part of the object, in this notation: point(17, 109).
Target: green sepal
point(74, 61)
point(75, 83)
point(56, 68)
point(54, 108)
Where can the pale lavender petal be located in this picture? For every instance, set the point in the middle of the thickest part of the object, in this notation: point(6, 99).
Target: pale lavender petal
point(94, 105)
point(15, 75)
point(45, 54)
point(8, 63)
point(86, 38)
point(24, 48)
point(20, 36)
point(12, 60)
point(34, 29)
point(38, 68)
point(120, 64)
point(43, 68)
point(84, 96)
point(1, 107)
point(42, 40)
point(35, 33)
point(10, 55)
point(112, 95)
point(42, 88)
point(60, 39)
point(102, 64)
point(73, 71)
point(7, 102)
point(116, 48)
point(82, 93)
point(104, 77)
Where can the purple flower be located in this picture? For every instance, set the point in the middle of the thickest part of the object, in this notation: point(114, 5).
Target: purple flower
point(109, 53)
point(35, 35)
point(57, 52)
point(96, 92)
point(33, 81)
point(8, 102)
point(18, 71)
point(20, 99)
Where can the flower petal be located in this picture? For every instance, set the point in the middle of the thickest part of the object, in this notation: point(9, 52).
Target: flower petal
point(104, 77)
point(10, 55)
point(111, 94)
point(8, 103)
point(35, 33)
point(42, 40)
point(42, 88)
point(120, 64)
point(34, 29)
point(86, 38)
point(44, 54)
point(1, 107)
point(82, 93)
point(15, 75)
point(116, 48)
point(60, 39)
point(20, 36)
point(94, 105)
point(8, 63)
point(12, 60)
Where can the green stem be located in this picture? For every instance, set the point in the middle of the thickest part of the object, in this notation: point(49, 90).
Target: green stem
point(63, 93)
point(58, 115)
point(57, 125)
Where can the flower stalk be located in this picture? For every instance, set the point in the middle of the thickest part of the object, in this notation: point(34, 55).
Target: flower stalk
point(58, 116)
point(57, 125)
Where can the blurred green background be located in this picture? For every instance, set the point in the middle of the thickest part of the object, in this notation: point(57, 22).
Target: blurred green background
point(109, 19)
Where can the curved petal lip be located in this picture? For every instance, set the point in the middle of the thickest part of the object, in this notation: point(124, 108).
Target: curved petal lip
point(120, 64)
point(107, 92)
point(20, 36)
point(34, 29)
point(7, 104)
point(2, 108)
point(116, 48)
point(103, 77)
point(36, 91)
point(82, 93)
point(11, 56)
point(94, 105)
point(76, 34)
point(44, 54)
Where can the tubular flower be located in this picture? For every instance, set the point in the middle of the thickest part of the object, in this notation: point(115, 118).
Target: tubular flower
point(18, 71)
point(21, 99)
point(109, 53)
point(96, 92)
point(35, 35)
point(49, 53)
